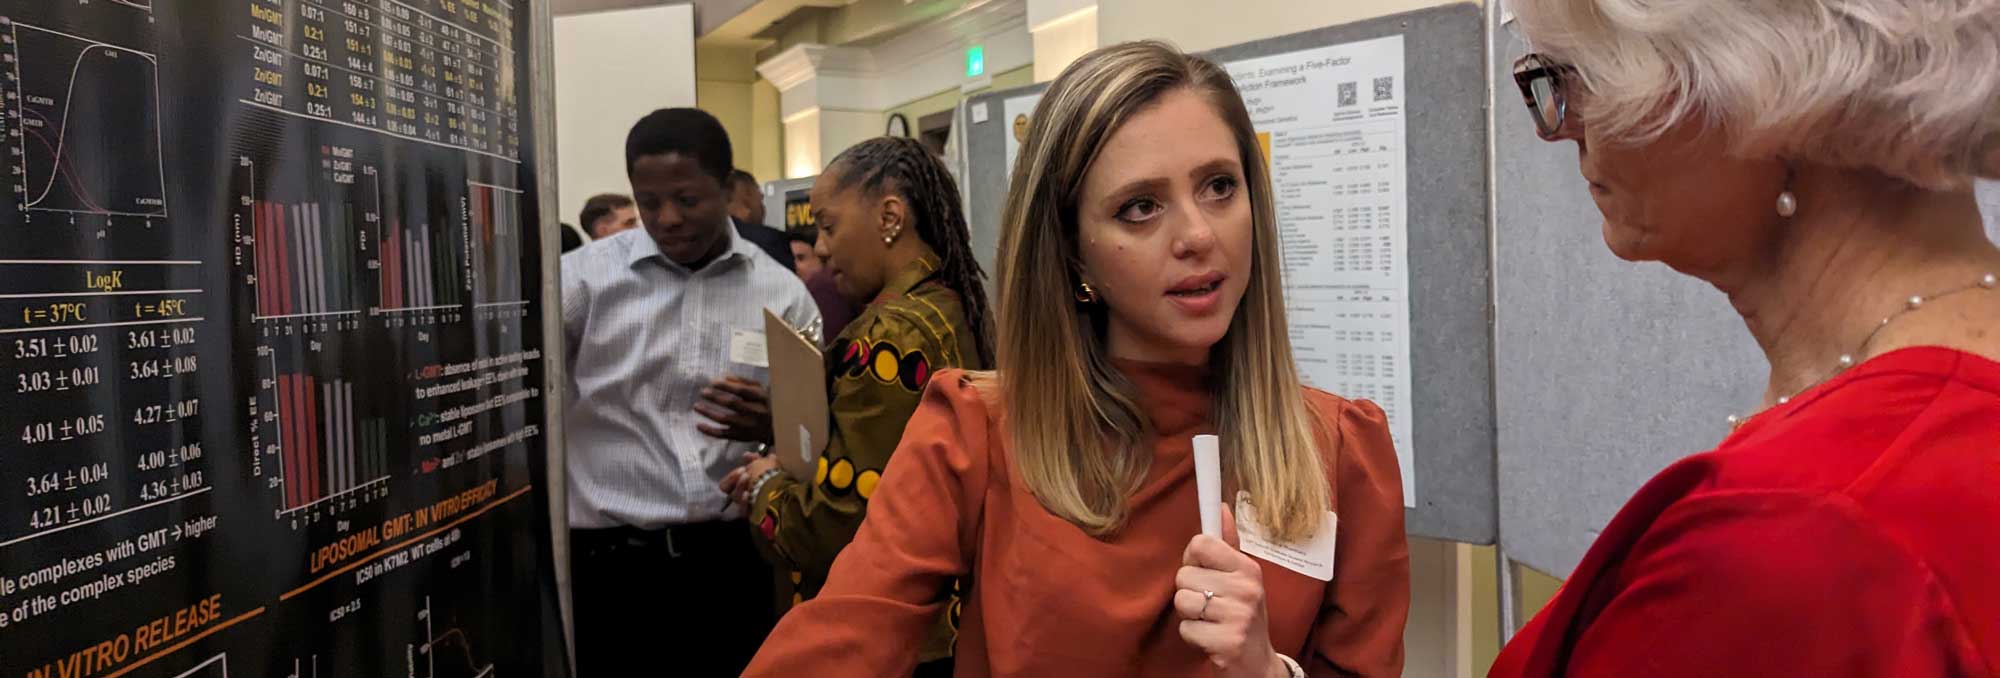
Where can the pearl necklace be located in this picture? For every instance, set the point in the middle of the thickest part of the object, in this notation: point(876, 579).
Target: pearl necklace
point(1985, 282)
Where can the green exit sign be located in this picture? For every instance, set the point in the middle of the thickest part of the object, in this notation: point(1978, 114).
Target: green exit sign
point(975, 61)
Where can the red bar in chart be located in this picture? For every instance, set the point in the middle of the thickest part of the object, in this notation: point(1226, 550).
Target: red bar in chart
point(322, 455)
point(415, 273)
point(387, 265)
point(305, 258)
point(284, 262)
point(495, 212)
point(288, 428)
point(310, 442)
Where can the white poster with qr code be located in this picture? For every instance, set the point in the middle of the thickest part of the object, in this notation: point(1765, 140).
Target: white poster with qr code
point(1331, 121)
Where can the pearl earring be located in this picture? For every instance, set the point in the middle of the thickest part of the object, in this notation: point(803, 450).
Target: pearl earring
point(890, 237)
point(1788, 204)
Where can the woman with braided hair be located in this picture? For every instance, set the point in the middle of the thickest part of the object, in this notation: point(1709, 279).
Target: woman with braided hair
point(893, 236)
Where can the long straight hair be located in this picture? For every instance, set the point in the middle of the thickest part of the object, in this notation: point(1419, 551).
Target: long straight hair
point(1073, 420)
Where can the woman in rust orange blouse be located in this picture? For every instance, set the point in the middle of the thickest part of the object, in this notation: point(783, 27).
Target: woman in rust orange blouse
point(1140, 305)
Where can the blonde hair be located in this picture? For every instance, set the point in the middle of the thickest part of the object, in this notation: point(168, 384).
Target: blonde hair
point(1903, 87)
point(1073, 420)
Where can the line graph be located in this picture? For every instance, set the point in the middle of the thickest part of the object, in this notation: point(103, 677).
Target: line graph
point(216, 667)
point(472, 668)
point(86, 137)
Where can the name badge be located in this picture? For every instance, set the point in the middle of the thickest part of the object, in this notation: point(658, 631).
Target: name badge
point(1312, 558)
point(747, 347)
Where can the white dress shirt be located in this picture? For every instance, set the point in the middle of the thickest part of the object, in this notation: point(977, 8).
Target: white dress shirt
point(645, 335)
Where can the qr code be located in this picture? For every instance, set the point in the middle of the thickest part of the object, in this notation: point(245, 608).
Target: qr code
point(1385, 88)
point(1347, 94)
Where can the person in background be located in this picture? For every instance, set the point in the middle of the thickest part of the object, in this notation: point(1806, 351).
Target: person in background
point(649, 316)
point(746, 199)
point(608, 214)
point(894, 239)
point(835, 311)
point(572, 237)
point(805, 261)
point(1141, 304)
point(746, 208)
point(1813, 161)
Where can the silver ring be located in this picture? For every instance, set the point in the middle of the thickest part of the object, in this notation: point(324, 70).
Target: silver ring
point(1206, 597)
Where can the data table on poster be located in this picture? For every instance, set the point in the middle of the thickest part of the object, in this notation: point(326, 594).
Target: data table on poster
point(1331, 121)
point(438, 76)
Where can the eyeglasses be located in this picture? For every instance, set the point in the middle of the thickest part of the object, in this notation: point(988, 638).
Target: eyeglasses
point(1543, 84)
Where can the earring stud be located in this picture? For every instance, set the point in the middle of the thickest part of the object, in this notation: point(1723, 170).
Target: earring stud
point(1085, 294)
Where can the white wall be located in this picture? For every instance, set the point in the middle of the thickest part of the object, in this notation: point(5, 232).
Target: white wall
point(832, 96)
point(730, 103)
point(767, 133)
point(724, 81)
point(1060, 41)
point(613, 68)
point(802, 145)
point(924, 63)
point(1044, 12)
point(839, 129)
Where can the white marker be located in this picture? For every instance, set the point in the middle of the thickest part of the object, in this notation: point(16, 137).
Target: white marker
point(1208, 483)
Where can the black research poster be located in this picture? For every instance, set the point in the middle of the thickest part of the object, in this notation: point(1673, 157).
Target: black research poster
point(269, 340)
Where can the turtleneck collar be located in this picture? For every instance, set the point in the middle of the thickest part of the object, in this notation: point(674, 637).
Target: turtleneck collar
point(1176, 399)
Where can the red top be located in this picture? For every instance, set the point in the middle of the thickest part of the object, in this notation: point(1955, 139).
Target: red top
point(1045, 599)
point(1852, 532)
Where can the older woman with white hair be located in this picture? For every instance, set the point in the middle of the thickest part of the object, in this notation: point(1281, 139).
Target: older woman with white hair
point(1813, 160)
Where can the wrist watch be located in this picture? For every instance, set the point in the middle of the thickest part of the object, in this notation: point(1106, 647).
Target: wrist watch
point(757, 489)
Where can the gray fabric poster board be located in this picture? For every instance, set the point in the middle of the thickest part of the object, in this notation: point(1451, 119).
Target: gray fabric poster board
point(1608, 370)
point(1450, 258)
point(988, 171)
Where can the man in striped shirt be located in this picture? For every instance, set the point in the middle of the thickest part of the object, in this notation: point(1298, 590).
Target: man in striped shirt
point(652, 317)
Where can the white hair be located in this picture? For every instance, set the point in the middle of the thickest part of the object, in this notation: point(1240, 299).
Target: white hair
point(1909, 88)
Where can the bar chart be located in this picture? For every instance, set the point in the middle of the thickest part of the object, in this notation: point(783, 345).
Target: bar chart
point(326, 451)
point(416, 273)
point(493, 219)
point(304, 245)
point(305, 261)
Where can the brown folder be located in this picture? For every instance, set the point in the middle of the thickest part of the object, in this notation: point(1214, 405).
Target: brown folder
point(798, 398)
